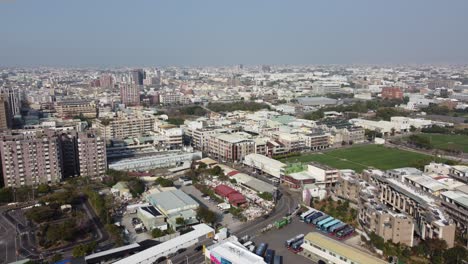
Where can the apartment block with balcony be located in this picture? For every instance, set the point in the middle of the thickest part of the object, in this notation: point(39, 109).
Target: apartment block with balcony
point(91, 155)
point(124, 126)
point(230, 147)
point(30, 157)
point(455, 204)
point(376, 217)
point(72, 108)
point(430, 220)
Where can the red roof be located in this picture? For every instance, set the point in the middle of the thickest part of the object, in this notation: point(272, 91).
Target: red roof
point(224, 190)
point(140, 174)
point(236, 198)
point(232, 173)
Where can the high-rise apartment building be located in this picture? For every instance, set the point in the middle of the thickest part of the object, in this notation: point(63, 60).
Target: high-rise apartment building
point(3, 113)
point(106, 81)
point(137, 76)
point(43, 156)
point(30, 157)
point(125, 126)
point(13, 103)
point(129, 94)
point(92, 159)
point(392, 93)
point(72, 108)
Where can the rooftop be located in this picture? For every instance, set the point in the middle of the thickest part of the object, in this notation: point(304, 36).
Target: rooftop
point(340, 249)
point(170, 200)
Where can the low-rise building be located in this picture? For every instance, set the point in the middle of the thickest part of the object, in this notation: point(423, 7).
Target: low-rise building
point(231, 252)
point(264, 164)
point(321, 249)
point(175, 204)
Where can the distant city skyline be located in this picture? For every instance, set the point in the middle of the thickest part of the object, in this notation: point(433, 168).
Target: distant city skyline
point(149, 33)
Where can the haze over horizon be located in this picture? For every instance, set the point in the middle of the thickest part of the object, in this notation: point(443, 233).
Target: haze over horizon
point(118, 33)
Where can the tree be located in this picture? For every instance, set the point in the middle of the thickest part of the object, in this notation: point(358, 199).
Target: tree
point(455, 255)
point(265, 195)
point(43, 188)
point(157, 233)
point(180, 221)
point(206, 215)
point(202, 165)
point(56, 258)
point(412, 128)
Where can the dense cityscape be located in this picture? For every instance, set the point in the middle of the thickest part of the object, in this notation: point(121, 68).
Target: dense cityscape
point(233, 132)
point(244, 164)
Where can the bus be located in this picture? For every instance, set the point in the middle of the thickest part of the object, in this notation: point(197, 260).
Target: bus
point(324, 221)
point(289, 242)
point(261, 249)
point(312, 216)
point(325, 227)
point(270, 254)
point(335, 228)
point(278, 260)
point(303, 215)
point(318, 219)
point(296, 246)
point(342, 234)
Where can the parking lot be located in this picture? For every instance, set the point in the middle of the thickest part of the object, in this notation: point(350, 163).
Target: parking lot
point(132, 236)
point(226, 220)
point(276, 238)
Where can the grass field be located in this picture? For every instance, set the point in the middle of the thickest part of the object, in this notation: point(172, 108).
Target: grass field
point(363, 157)
point(448, 142)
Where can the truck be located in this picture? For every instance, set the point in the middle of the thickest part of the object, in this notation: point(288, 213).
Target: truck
point(296, 246)
point(337, 227)
point(269, 256)
point(324, 221)
point(260, 251)
point(247, 244)
point(289, 242)
point(325, 227)
point(318, 219)
point(281, 223)
point(303, 215)
point(313, 216)
point(278, 260)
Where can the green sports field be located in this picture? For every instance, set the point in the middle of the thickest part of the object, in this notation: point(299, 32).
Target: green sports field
point(363, 157)
point(448, 142)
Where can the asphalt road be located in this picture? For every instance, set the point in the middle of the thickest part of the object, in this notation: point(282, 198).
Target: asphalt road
point(287, 203)
point(17, 238)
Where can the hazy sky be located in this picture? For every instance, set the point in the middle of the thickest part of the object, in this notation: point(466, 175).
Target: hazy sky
point(227, 32)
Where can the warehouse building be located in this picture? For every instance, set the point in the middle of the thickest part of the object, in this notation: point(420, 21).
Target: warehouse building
point(175, 204)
